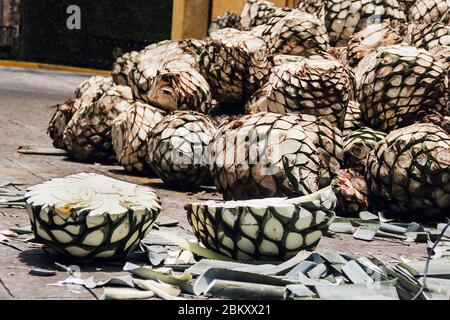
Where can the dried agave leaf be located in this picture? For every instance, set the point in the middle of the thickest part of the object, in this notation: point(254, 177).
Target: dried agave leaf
point(366, 215)
point(439, 268)
point(206, 264)
point(299, 290)
point(355, 273)
point(156, 254)
point(342, 227)
point(300, 278)
point(244, 291)
point(164, 221)
point(365, 233)
point(191, 246)
point(122, 281)
point(23, 230)
point(437, 289)
point(383, 291)
point(204, 281)
point(164, 291)
point(42, 272)
point(181, 281)
point(318, 271)
point(126, 294)
point(265, 269)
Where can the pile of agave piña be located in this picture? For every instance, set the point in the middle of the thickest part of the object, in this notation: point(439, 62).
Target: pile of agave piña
point(282, 103)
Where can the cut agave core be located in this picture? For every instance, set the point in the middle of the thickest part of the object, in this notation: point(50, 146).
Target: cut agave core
point(264, 229)
point(91, 216)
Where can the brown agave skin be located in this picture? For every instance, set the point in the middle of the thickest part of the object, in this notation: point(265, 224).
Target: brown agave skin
point(321, 86)
point(87, 137)
point(94, 88)
point(181, 90)
point(429, 36)
point(399, 85)
point(256, 13)
point(358, 145)
point(430, 11)
point(171, 55)
point(373, 37)
point(265, 155)
point(409, 172)
point(351, 192)
point(122, 68)
point(130, 134)
point(311, 6)
point(346, 17)
point(63, 114)
point(353, 119)
point(224, 119)
point(178, 149)
point(328, 140)
point(405, 5)
point(295, 33)
point(226, 20)
point(235, 64)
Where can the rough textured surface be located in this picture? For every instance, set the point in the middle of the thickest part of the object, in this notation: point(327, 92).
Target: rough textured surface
point(130, 132)
point(409, 171)
point(319, 86)
point(178, 149)
point(345, 17)
point(295, 33)
point(400, 84)
point(227, 20)
point(29, 93)
point(430, 11)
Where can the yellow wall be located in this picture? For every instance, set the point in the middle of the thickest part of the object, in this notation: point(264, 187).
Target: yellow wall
point(191, 17)
point(221, 6)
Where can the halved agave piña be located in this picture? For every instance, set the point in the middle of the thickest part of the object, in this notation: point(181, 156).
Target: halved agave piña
point(91, 216)
point(266, 229)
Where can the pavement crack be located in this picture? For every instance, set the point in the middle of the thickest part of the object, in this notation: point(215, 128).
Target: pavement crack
point(6, 288)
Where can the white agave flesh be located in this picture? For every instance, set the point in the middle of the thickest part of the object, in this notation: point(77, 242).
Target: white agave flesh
point(91, 215)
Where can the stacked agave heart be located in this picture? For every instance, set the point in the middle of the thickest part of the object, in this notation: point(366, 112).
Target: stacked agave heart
point(282, 102)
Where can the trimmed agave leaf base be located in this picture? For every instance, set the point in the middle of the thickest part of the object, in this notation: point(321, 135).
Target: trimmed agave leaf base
point(113, 239)
point(91, 216)
point(266, 229)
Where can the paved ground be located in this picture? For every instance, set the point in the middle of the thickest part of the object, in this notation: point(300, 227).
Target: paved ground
point(26, 98)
